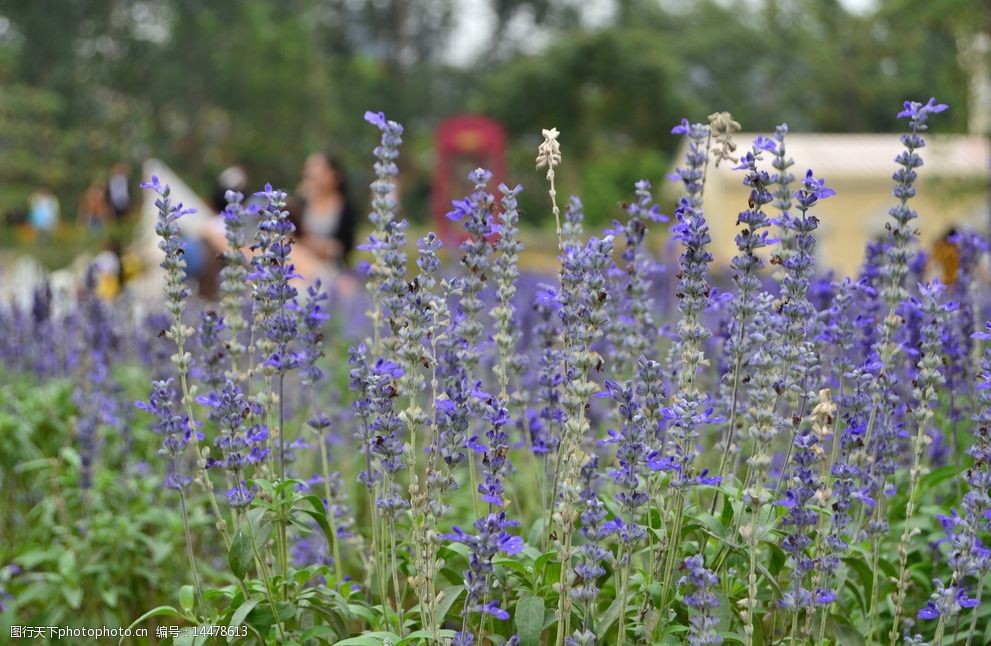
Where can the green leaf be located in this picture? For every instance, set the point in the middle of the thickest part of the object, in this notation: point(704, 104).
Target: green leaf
point(777, 560)
point(241, 554)
point(370, 639)
point(319, 514)
point(109, 597)
point(73, 596)
point(67, 565)
point(186, 598)
point(160, 611)
point(932, 479)
point(862, 591)
point(263, 615)
point(770, 579)
point(364, 612)
point(447, 598)
point(239, 615)
point(887, 567)
point(512, 564)
point(608, 618)
point(843, 633)
point(529, 620)
point(290, 486)
point(32, 465)
point(459, 549)
point(536, 533)
point(263, 484)
point(712, 526)
point(70, 457)
point(726, 516)
point(32, 559)
point(541, 561)
point(324, 633)
point(338, 616)
point(415, 637)
point(221, 595)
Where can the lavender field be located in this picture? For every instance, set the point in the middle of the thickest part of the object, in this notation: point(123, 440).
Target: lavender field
point(634, 450)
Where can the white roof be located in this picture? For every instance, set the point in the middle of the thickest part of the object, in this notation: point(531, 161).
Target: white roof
point(872, 155)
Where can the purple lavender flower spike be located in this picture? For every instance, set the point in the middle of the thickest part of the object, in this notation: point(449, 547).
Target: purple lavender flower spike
point(491, 539)
point(633, 330)
point(313, 317)
point(918, 113)
point(241, 446)
point(173, 426)
point(495, 464)
point(699, 583)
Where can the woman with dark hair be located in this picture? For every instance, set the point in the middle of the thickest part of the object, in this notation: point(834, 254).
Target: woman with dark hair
point(328, 216)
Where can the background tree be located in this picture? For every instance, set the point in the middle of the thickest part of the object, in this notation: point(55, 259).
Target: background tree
point(263, 82)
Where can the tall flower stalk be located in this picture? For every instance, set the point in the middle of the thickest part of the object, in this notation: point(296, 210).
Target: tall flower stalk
point(384, 207)
point(545, 426)
point(492, 538)
point(584, 318)
point(476, 212)
point(925, 390)
point(375, 389)
point(276, 309)
point(574, 217)
point(507, 273)
point(426, 311)
point(763, 425)
point(901, 237)
point(783, 179)
point(179, 430)
point(699, 583)
point(970, 551)
point(797, 313)
point(688, 412)
point(549, 156)
point(313, 319)
point(901, 240)
point(629, 478)
point(234, 286)
point(746, 265)
point(804, 484)
point(506, 335)
point(593, 555)
point(633, 330)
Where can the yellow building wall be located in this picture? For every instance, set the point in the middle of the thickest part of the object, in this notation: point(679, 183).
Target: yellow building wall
point(855, 215)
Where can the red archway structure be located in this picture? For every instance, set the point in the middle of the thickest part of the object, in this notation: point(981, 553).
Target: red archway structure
point(464, 143)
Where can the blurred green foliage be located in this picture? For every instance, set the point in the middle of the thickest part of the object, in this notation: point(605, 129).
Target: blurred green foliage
point(33, 155)
point(87, 83)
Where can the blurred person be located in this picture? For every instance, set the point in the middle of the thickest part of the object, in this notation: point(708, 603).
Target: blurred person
point(213, 233)
point(232, 178)
point(212, 243)
point(105, 272)
point(313, 256)
point(93, 208)
point(119, 190)
point(946, 255)
point(327, 215)
point(43, 213)
point(16, 217)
